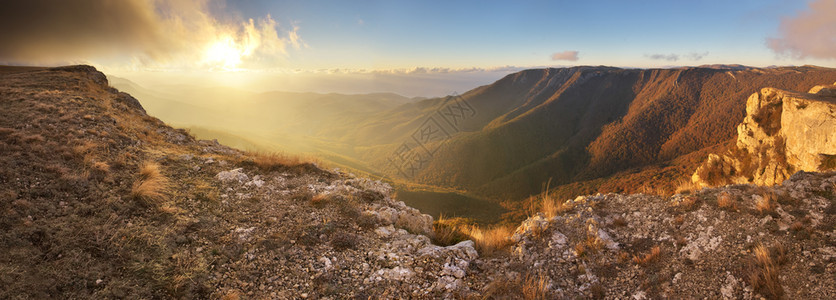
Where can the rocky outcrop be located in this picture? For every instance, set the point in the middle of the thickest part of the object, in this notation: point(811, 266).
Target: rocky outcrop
point(603, 248)
point(783, 132)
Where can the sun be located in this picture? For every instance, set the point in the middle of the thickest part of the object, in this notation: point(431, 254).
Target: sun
point(224, 53)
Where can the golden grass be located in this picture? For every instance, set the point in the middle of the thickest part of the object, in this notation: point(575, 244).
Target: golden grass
point(763, 274)
point(580, 250)
point(594, 243)
point(320, 200)
point(150, 187)
point(686, 186)
point(726, 200)
point(446, 232)
point(553, 207)
point(688, 202)
point(490, 240)
point(535, 286)
point(648, 258)
point(765, 203)
point(271, 161)
point(101, 166)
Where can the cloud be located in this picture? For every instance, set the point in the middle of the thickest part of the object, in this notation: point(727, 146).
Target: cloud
point(696, 56)
point(137, 33)
point(565, 55)
point(693, 56)
point(668, 57)
point(808, 34)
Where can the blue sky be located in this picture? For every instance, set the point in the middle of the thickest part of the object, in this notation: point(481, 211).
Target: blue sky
point(460, 34)
point(410, 47)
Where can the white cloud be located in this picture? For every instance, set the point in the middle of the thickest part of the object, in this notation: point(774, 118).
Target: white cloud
point(693, 56)
point(812, 33)
point(668, 57)
point(565, 55)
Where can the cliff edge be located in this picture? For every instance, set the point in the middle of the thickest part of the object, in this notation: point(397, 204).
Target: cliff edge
point(783, 132)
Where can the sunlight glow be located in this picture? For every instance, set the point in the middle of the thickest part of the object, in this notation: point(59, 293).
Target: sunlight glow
point(224, 53)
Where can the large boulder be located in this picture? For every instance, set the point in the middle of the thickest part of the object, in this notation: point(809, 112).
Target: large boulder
point(783, 132)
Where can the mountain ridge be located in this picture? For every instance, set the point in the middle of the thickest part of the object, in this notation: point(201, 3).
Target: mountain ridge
point(102, 200)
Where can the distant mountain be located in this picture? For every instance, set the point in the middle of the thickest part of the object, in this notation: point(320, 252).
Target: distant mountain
point(583, 129)
point(577, 125)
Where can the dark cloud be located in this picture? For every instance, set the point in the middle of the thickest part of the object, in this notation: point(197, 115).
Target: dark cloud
point(811, 33)
point(44, 30)
point(130, 32)
point(565, 55)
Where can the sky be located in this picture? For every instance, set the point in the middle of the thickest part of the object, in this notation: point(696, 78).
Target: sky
point(404, 46)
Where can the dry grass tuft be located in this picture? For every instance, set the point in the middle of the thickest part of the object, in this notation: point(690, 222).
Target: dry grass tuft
point(688, 202)
point(301, 195)
point(489, 241)
point(686, 186)
point(765, 203)
point(726, 200)
point(231, 295)
point(272, 161)
point(101, 166)
point(320, 200)
point(535, 286)
point(648, 258)
point(679, 220)
point(593, 243)
point(531, 286)
point(797, 226)
point(763, 273)
point(553, 207)
point(580, 250)
point(151, 185)
point(623, 256)
point(446, 231)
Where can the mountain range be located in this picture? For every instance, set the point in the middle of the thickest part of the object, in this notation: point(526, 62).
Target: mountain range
point(102, 200)
point(578, 130)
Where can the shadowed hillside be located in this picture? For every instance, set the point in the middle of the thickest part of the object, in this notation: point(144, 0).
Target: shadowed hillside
point(579, 124)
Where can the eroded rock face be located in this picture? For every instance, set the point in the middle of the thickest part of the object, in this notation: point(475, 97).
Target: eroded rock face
point(783, 132)
point(809, 128)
